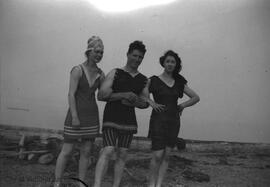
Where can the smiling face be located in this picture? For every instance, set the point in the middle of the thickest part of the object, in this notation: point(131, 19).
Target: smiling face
point(169, 64)
point(95, 55)
point(134, 58)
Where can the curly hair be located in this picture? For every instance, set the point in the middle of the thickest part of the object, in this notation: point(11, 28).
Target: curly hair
point(178, 60)
point(137, 45)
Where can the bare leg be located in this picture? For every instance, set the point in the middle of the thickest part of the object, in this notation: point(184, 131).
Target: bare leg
point(119, 166)
point(102, 164)
point(61, 162)
point(155, 166)
point(163, 166)
point(85, 151)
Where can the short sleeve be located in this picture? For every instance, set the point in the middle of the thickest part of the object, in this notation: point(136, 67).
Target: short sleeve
point(151, 85)
point(182, 80)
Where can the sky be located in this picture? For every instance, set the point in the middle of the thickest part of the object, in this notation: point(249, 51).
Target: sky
point(224, 46)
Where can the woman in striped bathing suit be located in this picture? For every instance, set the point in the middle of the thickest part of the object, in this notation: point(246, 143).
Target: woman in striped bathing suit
point(82, 119)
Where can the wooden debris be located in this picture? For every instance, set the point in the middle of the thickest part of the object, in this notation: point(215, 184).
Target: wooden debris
point(33, 148)
point(25, 153)
point(22, 148)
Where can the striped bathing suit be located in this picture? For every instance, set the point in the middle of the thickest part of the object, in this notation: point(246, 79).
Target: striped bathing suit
point(87, 112)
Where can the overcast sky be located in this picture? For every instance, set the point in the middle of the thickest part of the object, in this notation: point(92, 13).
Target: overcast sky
point(224, 45)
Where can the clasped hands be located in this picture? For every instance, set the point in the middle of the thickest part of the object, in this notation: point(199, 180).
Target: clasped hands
point(129, 99)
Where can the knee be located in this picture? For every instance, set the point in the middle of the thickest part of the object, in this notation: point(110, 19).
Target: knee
point(65, 154)
point(158, 157)
point(86, 152)
point(107, 152)
point(166, 157)
point(167, 154)
point(122, 155)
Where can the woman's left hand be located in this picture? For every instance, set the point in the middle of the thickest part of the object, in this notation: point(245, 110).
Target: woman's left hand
point(180, 109)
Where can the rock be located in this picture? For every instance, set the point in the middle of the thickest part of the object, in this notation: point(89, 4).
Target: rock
point(46, 158)
point(30, 156)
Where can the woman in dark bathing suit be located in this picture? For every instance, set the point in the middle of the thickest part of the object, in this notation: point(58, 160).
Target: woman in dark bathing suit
point(165, 118)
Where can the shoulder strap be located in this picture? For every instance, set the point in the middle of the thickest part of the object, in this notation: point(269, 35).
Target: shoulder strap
point(79, 66)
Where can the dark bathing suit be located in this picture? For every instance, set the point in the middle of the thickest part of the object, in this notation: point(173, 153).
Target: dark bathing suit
point(118, 118)
point(164, 126)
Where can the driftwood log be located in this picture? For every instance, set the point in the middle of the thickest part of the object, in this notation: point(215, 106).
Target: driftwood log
point(33, 148)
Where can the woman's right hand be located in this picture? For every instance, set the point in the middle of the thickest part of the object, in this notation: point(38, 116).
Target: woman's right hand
point(75, 122)
point(157, 107)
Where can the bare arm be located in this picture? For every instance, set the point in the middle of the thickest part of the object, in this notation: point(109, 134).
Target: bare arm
point(75, 75)
point(105, 92)
point(105, 89)
point(141, 100)
point(102, 78)
point(193, 99)
point(141, 103)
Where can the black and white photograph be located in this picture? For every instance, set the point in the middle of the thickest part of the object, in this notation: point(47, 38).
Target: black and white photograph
point(134, 93)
